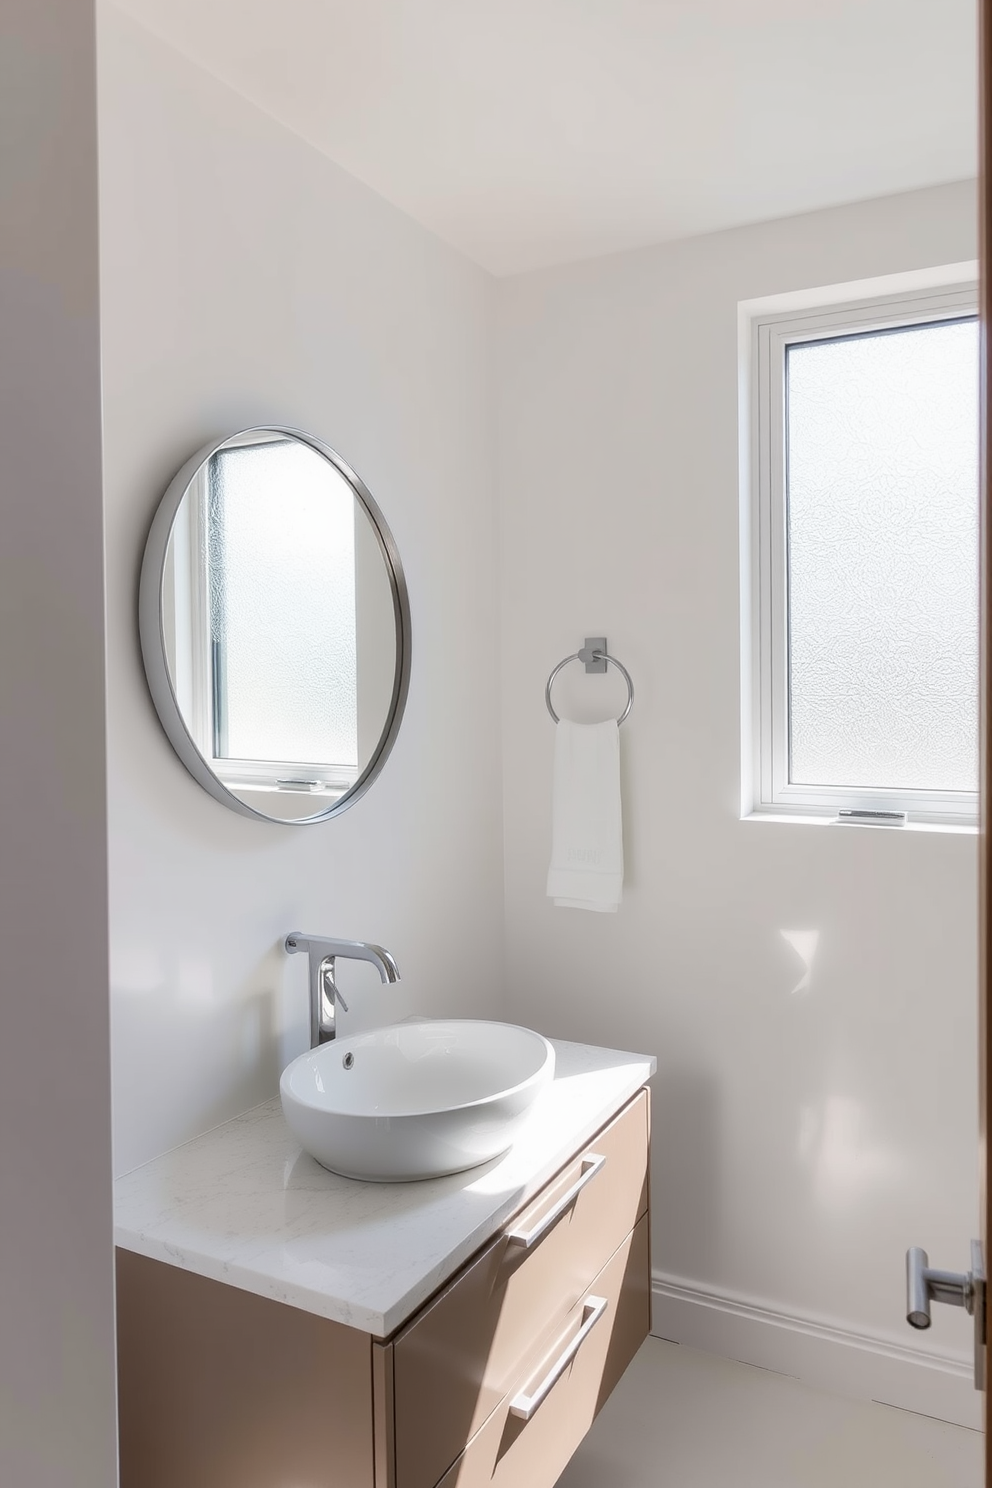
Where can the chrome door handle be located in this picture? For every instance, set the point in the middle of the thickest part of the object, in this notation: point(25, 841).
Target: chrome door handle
point(591, 1164)
point(524, 1405)
point(925, 1284)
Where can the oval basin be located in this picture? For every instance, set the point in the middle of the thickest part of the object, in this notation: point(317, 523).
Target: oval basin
point(415, 1100)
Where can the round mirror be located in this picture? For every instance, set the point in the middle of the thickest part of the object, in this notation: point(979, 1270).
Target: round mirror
point(275, 627)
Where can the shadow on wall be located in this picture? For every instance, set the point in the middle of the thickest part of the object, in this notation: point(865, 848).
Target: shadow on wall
point(687, 1161)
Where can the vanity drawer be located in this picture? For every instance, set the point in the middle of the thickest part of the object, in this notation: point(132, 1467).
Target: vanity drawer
point(510, 1452)
point(458, 1360)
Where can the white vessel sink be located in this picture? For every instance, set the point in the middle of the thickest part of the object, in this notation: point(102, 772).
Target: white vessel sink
point(415, 1100)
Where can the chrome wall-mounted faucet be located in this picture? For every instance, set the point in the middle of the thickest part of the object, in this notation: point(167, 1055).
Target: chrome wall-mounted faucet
point(324, 995)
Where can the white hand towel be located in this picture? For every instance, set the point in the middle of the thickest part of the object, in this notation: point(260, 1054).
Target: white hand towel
point(586, 833)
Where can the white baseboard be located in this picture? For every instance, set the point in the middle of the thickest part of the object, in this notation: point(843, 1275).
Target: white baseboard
point(827, 1357)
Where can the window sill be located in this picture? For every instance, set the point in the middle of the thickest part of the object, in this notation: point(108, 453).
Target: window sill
point(957, 829)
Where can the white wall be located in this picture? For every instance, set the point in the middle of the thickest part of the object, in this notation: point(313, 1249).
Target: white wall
point(57, 1426)
point(248, 280)
point(803, 1138)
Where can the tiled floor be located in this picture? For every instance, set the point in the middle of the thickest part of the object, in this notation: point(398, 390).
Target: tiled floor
point(682, 1419)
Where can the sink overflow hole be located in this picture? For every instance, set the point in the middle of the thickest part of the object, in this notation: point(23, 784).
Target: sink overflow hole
point(348, 1061)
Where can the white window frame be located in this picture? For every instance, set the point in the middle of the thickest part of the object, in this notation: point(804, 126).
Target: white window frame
point(768, 329)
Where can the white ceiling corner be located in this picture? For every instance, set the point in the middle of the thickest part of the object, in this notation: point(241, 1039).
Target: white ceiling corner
point(532, 132)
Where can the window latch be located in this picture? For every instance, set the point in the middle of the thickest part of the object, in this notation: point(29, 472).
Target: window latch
point(873, 818)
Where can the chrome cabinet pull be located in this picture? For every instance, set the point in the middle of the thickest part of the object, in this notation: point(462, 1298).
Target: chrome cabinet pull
point(591, 1165)
point(524, 1405)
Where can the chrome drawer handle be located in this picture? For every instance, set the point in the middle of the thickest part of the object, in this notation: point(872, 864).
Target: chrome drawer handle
point(524, 1405)
point(591, 1165)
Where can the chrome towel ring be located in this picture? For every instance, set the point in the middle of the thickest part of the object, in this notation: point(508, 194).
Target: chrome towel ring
point(595, 657)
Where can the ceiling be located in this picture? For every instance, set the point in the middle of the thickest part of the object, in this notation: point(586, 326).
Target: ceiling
point(534, 132)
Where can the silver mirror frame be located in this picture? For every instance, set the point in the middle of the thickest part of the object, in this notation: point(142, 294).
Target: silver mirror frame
point(152, 633)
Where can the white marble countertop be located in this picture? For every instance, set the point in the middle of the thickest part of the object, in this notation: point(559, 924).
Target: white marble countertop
point(245, 1205)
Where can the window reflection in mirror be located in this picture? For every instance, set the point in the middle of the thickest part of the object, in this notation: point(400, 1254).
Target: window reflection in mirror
point(278, 624)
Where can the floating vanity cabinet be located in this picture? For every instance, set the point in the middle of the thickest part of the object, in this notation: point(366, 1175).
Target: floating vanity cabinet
point(492, 1382)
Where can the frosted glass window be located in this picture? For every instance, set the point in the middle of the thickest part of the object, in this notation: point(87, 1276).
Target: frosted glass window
point(282, 606)
point(882, 519)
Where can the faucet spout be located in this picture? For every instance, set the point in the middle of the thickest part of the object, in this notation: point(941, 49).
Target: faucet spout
point(384, 963)
point(322, 952)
